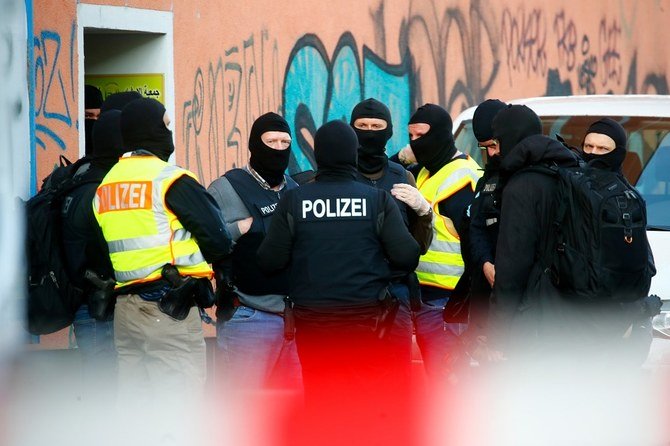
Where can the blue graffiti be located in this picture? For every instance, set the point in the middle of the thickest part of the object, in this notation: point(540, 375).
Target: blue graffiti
point(317, 91)
point(49, 76)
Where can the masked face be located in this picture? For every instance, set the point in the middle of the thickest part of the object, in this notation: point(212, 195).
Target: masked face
point(270, 147)
point(431, 139)
point(143, 127)
point(601, 151)
point(272, 156)
point(372, 134)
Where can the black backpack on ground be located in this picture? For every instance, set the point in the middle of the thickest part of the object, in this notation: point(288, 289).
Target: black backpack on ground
point(52, 299)
point(597, 249)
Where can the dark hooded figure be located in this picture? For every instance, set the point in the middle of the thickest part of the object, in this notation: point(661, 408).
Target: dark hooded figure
point(340, 238)
point(484, 218)
point(604, 147)
point(92, 110)
point(80, 230)
point(83, 249)
point(526, 313)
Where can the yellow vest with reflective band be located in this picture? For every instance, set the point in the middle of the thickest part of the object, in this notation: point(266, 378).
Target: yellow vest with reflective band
point(142, 233)
point(442, 265)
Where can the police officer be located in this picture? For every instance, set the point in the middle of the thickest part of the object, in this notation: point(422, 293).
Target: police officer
point(153, 213)
point(371, 120)
point(484, 221)
point(447, 180)
point(83, 249)
point(340, 239)
point(250, 322)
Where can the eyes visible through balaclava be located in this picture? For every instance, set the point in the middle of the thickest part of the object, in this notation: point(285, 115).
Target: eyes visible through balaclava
point(371, 121)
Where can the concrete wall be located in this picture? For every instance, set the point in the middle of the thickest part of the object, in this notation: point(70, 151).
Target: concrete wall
point(312, 61)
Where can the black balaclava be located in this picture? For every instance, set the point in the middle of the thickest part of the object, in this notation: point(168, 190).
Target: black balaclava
point(107, 140)
point(117, 101)
point(142, 127)
point(92, 99)
point(372, 143)
point(268, 162)
point(614, 159)
point(436, 148)
point(512, 124)
point(336, 150)
point(482, 122)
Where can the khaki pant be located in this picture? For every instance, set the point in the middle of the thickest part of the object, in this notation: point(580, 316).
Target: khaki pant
point(159, 357)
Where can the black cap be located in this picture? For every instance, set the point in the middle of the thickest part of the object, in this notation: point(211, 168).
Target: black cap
point(372, 108)
point(483, 118)
point(107, 140)
point(335, 146)
point(92, 97)
point(117, 101)
point(142, 127)
point(611, 128)
point(514, 123)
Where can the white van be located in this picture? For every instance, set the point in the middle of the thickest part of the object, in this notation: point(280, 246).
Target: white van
point(646, 119)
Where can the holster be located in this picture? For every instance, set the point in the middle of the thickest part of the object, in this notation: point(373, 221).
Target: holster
point(225, 302)
point(102, 301)
point(414, 288)
point(177, 302)
point(389, 308)
point(289, 319)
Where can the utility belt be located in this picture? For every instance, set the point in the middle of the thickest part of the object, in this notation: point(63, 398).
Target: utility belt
point(378, 317)
point(185, 292)
point(228, 301)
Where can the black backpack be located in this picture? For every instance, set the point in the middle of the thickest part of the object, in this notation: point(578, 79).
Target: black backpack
point(597, 249)
point(52, 299)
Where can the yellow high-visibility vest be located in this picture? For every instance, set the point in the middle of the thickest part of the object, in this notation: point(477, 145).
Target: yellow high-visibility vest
point(142, 233)
point(442, 265)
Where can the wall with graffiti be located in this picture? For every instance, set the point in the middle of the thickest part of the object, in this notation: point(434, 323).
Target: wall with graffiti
point(313, 61)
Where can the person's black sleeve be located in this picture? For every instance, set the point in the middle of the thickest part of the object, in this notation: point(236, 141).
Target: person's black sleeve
point(275, 251)
point(200, 215)
point(402, 251)
point(481, 250)
point(454, 207)
point(520, 228)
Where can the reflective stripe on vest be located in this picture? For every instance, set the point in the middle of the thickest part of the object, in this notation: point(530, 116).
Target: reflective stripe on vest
point(442, 265)
point(142, 233)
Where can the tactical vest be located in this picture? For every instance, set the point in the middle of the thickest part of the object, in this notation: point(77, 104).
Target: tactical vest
point(142, 233)
point(261, 204)
point(337, 259)
point(442, 265)
point(490, 196)
point(393, 174)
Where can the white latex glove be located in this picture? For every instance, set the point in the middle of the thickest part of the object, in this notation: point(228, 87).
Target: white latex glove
point(411, 197)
